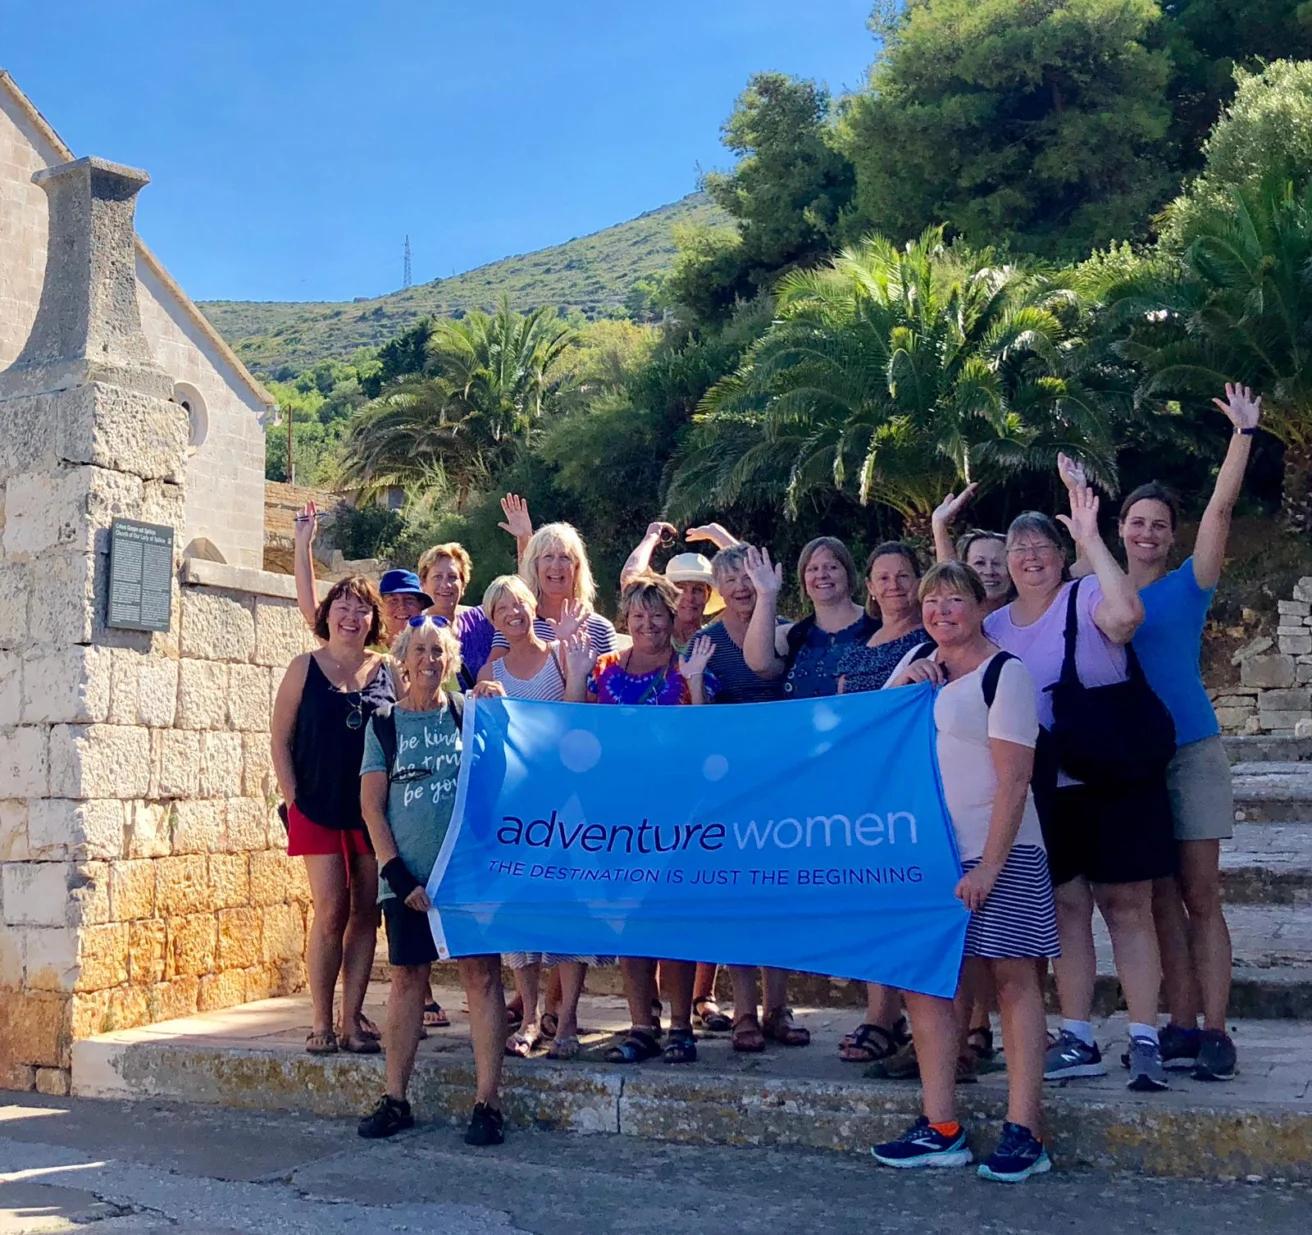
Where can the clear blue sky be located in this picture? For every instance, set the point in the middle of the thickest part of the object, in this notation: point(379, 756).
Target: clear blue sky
point(294, 144)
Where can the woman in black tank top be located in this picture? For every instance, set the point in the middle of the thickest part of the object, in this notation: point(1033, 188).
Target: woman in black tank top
point(319, 719)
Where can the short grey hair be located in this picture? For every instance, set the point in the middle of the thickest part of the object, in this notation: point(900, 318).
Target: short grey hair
point(732, 558)
point(1036, 523)
point(441, 630)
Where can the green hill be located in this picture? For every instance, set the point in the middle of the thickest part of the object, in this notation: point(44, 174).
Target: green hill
point(592, 274)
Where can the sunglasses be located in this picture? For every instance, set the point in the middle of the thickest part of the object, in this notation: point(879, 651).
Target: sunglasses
point(420, 618)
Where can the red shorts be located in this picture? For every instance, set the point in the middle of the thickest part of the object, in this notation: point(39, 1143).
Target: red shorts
point(305, 838)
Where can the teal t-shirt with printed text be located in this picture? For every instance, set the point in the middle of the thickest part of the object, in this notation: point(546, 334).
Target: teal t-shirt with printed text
point(422, 787)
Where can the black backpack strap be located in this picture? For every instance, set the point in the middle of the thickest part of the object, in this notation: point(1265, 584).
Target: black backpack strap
point(991, 676)
point(384, 722)
point(923, 652)
point(796, 636)
point(457, 704)
point(1069, 672)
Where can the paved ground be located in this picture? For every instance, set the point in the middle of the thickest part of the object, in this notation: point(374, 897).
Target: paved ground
point(98, 1167)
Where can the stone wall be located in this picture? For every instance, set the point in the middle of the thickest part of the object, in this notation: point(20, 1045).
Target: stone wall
point(1275, 675)
point(153, 882)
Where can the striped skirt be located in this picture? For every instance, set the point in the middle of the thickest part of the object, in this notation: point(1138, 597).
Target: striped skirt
point(522, 960)
point(1019, 918)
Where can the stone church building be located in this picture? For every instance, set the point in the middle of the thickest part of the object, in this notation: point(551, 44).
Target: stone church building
point(226, 405)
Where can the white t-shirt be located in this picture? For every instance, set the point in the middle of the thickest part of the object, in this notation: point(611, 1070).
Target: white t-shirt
point(965, 762)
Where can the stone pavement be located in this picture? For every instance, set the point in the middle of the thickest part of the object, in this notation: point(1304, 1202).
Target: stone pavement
point(150, 1168)
point(253, 1057)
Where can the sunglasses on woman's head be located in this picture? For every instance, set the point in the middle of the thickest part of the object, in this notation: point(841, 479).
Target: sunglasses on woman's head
point(420, 618)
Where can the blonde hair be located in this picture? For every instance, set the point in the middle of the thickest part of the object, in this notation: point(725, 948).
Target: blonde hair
point(648, 591)
point(441, 630)
point(456, 552)
point(953, 577)
point(564, 537)
point(508, 585)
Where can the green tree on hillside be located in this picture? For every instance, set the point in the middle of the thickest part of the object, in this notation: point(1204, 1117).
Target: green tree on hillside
point(490, 379)
point(895, 375)
point(1042, 126)
point(785, 195)
point(1237, 306)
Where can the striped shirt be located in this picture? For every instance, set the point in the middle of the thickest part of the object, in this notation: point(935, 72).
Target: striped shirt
point(547, 684)
point(738, 684)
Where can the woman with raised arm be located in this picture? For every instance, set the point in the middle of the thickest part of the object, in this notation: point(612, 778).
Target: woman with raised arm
point(1191, 927)
point(319, 716)
point(984, 552)
point(555, 566)
point(408, 773)
point(649, 673)
point(987, 726)
point(689, 572)
point(1108, 841)
point(534, 669)
point(806, 654)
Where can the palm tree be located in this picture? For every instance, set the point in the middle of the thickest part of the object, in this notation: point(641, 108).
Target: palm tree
point(1236, 306)
point(897, 374)
point(488, 382)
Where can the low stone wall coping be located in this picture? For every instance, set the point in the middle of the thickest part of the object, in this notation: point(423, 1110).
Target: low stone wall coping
point(199, 572)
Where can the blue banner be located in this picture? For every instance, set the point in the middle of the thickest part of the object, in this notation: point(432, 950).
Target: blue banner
point(809, 835)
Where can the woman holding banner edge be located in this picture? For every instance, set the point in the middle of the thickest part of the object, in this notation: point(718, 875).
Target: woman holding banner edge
point(985, 713)
point(650, 672)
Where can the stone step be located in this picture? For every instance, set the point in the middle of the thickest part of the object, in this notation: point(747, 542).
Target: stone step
point(1273, 792)
point(253, 1057)
point(1268, 864)
point(1267, 748)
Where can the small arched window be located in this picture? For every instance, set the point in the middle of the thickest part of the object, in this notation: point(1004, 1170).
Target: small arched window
point(198, 421)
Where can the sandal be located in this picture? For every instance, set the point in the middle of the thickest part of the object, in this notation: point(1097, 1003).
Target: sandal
point(867, 1044)
point(778, 1025)
point(369, 1030)
point(568, 1047)
point(657, 1010)
point(637, 1046)
point(514, 1017)
point(549, 1024)
point(521, 1044)
point(708, 1015)
point(360, 1046)
point(321, 1042)
point(434, 1016)
point(979, 1041)
point(682, 1047)
point(746, 1037)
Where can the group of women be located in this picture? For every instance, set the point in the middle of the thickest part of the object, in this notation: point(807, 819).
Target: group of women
point(1019, 645)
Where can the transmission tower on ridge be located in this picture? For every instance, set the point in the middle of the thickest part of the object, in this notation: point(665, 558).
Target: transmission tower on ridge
point(406, 280)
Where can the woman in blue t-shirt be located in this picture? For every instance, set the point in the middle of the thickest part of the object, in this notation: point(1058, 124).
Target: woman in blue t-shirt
point(1191, 928)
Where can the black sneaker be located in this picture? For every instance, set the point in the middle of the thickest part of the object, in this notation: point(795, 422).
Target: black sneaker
point(1216, 1057)
point(388, 1118)
point(1018, 1156)
point(486, 1126)
point(1179, 1048)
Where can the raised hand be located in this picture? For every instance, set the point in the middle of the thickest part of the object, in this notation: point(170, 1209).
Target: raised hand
point(580, 659)
point(573, 614)
point(1240, 406)
point(517, 521)
point(488, 690)
point(1072, 473)
point(660, 530)
point(767, 578)
point(716, 533)
point(693, 663)
point(951, 506)
point(1082, 522)
point(305, 524)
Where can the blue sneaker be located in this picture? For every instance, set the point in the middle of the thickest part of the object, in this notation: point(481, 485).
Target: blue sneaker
point(1017, 1157)
point(1069, 1057)
point(921, 1145)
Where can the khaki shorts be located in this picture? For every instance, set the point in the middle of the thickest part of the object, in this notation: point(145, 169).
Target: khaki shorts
point(1202, 794)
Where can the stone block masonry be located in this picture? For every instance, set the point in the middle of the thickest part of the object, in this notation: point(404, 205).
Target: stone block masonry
point(1274, 694)
point(143, 873)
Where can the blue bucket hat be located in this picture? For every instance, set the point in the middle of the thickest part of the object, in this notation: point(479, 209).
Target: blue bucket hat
point(403, 583)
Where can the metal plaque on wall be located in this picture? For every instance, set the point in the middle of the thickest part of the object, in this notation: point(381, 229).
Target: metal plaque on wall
point(140, 575)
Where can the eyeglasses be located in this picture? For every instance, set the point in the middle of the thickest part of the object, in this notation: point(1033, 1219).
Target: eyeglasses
point(355, 717)
point(1042, 549)
point(420, 618)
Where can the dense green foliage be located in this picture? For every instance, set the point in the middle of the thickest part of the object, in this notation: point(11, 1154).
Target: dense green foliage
point(593, 276)
point(1043, 225)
